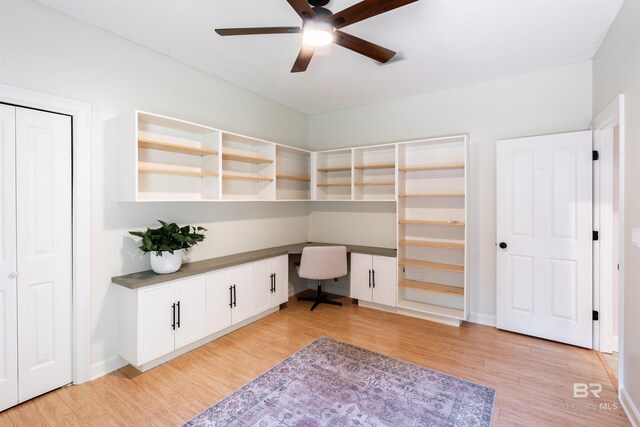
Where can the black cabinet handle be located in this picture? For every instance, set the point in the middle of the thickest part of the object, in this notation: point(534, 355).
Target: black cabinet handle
point(173, 316)
point(374, 278)
point(231, 296)
point(274, 282)
point(234, 296)
point(503, 245)
point(178, 322)
point(369, 278)
point(272, 285)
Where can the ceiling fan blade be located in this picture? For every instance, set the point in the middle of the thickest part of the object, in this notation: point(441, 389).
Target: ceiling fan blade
point(363, 47)
point(303, 59)
point(365, 10)
point(303, 9)
point(257, 30)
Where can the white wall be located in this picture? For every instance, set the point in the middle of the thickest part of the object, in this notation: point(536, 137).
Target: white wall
point(549, 101)
point(616, 70)
point(45, 51)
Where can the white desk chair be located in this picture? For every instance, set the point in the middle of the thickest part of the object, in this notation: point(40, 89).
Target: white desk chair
point(322, 263)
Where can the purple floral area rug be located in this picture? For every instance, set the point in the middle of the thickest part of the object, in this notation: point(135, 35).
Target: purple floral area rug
point(330, 383)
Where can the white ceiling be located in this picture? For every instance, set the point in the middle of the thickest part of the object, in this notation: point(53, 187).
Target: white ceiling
point(447, 43)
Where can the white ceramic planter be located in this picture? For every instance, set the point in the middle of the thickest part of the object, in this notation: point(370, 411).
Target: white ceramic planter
point(167, 262)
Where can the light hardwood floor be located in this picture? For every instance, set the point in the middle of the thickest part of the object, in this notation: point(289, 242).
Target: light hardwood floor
point(533, 378)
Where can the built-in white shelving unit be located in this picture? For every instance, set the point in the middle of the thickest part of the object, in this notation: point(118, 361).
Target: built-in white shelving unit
point(432, 232)
point(166, 159)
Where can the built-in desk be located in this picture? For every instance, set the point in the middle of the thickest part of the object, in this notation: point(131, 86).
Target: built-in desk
point(148, 278)
point(165, 315)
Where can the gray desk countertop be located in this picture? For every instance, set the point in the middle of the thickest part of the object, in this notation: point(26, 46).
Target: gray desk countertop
point(148, 278)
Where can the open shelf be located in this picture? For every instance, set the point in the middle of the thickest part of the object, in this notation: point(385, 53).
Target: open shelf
point(442, 244)
point(433, 195)
point(293, 173)
point(294, 178)
point(248, 167)
point(436, 167)
point(184, 172)
point(370, 184)
point(429, 265)
point(246, 159)
point(374, 173)
point(432, 287)
point(245, 178)
point(159, 157)
point(377, 166)
point(452, 223)
point(333, 176)
point(174, 148)
point(336, 169)
point(426, 308)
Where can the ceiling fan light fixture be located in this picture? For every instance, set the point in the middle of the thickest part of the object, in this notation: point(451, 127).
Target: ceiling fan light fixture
point(317, 34)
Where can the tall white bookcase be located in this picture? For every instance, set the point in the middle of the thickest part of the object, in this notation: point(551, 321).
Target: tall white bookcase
point(432, 227)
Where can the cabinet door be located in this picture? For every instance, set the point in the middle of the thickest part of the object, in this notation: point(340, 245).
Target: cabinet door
point(262, 282)
point(280, 267)
point(218, 300)
point(155, 322)
point(384, 280)
point(361, 268)
point(244, 300)
point(190, 310)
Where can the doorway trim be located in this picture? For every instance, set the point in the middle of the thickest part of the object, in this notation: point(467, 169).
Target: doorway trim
point(603, 127)
point(81, 157)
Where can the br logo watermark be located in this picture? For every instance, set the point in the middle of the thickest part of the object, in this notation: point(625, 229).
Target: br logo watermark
point(584, 390)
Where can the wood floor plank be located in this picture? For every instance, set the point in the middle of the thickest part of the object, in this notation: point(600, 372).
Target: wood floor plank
point(27, 414)
point(85, 408)
point(533, 377)
point(122, 411)
point(131, 392)
point(5, 419)
point(56, 411)
point(103, 420)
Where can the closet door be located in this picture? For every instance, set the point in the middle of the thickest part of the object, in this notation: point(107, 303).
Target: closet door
point(44, 248)
point(8, 280)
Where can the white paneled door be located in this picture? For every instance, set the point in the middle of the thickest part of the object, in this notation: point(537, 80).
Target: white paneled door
point(36, 280)
point(8, 261)
point(544, 231)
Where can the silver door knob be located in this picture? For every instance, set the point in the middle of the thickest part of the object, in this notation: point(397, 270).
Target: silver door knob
point(14, 274)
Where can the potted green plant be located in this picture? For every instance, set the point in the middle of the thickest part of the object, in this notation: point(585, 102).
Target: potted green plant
point(167, 243)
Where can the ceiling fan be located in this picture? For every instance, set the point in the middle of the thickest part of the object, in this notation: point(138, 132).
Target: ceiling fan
point(321, 27)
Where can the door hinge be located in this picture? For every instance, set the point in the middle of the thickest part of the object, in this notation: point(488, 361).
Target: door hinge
point(596, 315)
point(596, 155)
point(596, 235)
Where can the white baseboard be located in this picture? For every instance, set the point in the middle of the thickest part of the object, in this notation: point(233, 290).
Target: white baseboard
point(483, 319)
point(614, 343)
point(629, 407)
point(107, 366)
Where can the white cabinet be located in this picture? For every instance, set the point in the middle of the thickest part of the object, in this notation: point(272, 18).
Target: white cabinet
point(229, 297)
point(373, 278)
point(271, 278)
point(157, 320)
